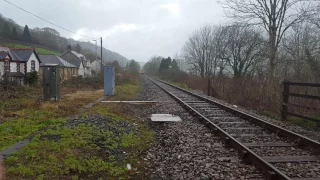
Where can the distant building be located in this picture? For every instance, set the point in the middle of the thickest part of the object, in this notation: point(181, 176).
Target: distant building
point(78, 60)
point(5, 60)
point(95, 66)
point(15, 63)
point(67, 70)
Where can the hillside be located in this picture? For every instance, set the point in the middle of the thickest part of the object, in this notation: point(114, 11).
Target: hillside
point(49, 41)
point(38, 50)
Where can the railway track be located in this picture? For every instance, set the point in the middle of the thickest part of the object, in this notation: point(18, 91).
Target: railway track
point(279, 153)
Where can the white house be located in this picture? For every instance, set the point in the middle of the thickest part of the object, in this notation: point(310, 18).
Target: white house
point(5, 59)
point(96, 66)
point(18, 62)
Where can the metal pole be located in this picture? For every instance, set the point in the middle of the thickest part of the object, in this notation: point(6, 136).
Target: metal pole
point(285, 101)
point(101, 59)
point(96, 52)
point(96, 49)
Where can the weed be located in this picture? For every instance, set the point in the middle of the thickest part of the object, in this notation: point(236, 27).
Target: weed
point(84, 150)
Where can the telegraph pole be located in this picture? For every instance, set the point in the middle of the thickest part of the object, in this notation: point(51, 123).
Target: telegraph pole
point(101, 60)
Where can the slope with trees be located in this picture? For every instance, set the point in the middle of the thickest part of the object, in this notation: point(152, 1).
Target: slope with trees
point(11, 32)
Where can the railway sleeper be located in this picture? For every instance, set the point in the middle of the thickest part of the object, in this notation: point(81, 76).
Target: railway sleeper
point(276, 144)
point(249, 135)
point(284, 159)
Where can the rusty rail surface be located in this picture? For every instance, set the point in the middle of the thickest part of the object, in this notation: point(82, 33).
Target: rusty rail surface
point(247, 154)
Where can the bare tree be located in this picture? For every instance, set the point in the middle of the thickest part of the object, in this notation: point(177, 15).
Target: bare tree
point(275, 16)
point(302, 47)
point(152, 66)
point(198, 51)
point(243, 49)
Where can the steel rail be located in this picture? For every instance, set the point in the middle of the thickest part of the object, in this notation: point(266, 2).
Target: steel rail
point(247, 154)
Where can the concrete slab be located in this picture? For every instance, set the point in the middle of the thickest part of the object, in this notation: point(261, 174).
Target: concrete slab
point(13, 148)
point(165, 118)
point(132, 102)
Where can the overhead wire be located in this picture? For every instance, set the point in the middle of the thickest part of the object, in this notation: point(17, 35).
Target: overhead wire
point(88, 38)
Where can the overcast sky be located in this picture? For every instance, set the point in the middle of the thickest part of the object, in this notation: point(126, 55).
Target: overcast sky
point(136, 29)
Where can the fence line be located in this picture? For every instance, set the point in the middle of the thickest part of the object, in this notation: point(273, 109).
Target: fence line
point(285, 100)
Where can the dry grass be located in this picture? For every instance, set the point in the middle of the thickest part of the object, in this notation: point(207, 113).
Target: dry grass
point(27, 113)
point(77, 153)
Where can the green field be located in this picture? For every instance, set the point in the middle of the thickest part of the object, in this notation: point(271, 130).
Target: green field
point(38, 50)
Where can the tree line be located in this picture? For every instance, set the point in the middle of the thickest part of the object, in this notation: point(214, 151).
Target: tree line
point(47, 37)
point(268, 40)
point(159, 65)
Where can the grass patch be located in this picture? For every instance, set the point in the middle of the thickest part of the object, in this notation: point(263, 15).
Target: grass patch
point(81, 152)
point(12, 132)
point(38, 50)
point(25, 115)
point(303, 122)
point(128, 91)
point(85, 151)
point(292, 119)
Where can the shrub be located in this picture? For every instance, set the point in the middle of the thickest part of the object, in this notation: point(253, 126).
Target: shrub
point(32, 77)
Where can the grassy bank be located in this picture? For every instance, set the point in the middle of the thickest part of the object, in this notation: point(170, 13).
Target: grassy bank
point(25, 115)
point(85, 151)
point(38, 50)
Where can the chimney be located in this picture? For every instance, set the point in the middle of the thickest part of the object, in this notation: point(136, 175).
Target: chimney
point(69, 48)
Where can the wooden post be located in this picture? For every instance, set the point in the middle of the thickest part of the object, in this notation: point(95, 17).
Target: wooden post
point(209, 86)
point(285, 100)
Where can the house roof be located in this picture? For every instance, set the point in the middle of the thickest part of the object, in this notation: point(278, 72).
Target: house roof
point(13, 56)
point(3, 54)
point(74, 62)
point(98, 60)
point(13, 74)
point(23, 54)
point(78, 55)
point(53, 59)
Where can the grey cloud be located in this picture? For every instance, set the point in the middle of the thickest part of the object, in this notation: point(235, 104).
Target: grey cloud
point(140, 28)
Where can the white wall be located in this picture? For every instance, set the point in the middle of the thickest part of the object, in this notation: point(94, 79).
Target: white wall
point(1, 69)
point(95, 65)
point(37, 65)
point(13, 67)
point(81, 70)
point(22, 67)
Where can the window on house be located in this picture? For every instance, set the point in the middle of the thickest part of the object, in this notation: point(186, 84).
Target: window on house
point(33, 65)
point(6, 65)
point(18, 67)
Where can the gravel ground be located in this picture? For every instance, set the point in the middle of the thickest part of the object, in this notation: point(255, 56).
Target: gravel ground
point(188, 149)
point(301, 169)
point(291, 169)
point(308, 132)
point(268, 139)
point(281, 151)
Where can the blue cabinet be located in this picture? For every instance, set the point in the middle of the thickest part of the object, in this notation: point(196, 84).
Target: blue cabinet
point(109, 80)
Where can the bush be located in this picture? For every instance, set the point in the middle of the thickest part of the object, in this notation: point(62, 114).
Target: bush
point(32, 77)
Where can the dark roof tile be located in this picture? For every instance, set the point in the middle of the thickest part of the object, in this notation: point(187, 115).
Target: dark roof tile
point(23, 54)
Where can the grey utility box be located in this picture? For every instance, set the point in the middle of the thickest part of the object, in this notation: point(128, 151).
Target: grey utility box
point(51, 82)
point(109, 80)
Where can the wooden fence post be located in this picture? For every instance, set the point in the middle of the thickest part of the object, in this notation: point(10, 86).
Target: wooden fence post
point(209, 86)
point(285, 100)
